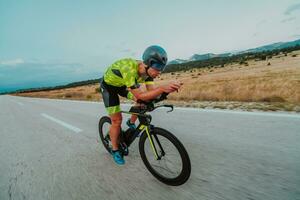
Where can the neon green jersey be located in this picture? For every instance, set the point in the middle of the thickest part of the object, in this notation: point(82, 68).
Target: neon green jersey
point(124, 72)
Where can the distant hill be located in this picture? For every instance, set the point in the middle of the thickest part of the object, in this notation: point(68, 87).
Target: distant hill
point(270, 47)
point(241, 58)
point(177, 61)
point(197, 57)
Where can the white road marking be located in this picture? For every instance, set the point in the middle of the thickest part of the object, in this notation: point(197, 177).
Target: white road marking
point(66, 125)
point(21, 104)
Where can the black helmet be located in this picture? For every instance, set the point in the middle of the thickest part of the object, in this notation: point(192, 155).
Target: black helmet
point(155, 57)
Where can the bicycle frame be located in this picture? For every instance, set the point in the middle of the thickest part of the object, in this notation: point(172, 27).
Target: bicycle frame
point(145, 126)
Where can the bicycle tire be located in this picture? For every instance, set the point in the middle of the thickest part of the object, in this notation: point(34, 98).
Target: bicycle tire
point(102, 135)
point(186, 164)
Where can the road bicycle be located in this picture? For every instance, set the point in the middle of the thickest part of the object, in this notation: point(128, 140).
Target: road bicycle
point(162, 153)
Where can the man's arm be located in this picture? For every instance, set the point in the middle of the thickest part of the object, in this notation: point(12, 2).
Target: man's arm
point(149, 82)
point(148, 95)
point(152, 94)
point(150, 87)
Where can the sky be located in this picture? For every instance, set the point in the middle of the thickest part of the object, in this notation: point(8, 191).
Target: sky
point(53, 42)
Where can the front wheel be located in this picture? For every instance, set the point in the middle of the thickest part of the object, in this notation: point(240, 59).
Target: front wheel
point(173, 167)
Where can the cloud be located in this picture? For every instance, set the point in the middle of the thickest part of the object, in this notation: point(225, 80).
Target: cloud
point(288, 19)
point(292, 8)
point(12, 62)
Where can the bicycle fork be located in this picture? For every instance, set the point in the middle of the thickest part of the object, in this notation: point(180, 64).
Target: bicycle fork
point(152, 144)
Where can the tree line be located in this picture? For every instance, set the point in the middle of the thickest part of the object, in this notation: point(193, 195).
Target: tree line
point(70, 85)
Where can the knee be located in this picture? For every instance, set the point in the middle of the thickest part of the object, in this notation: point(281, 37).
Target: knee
point(116, 120)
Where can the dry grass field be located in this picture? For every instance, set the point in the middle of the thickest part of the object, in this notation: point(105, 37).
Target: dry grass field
point(273, 84)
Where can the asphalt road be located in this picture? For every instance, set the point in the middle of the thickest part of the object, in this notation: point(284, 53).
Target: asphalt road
point(49, 150)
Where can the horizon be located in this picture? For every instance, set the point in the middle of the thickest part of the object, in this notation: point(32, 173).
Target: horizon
point(46, 86)
point(59, 42)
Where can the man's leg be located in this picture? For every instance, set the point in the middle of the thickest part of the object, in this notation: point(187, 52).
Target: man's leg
point(131, 122)
point(114, 132)
point(112, 105)
point(133, 119)
point(126, 94)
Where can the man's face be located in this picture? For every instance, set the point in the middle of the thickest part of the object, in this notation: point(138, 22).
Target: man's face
point(153, 72)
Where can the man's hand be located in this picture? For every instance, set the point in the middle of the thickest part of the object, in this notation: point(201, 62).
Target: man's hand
point(171, 87)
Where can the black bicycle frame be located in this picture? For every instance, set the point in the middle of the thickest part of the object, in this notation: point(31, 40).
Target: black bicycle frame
point(145, 126)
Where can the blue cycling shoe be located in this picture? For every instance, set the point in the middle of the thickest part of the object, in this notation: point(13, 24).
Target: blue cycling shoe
point(130, 125)
point(118, 158)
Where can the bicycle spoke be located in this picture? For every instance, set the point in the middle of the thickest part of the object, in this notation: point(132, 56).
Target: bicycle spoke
point(170, 161)
point(170, 164)
point(166, 169)
point(166, 162)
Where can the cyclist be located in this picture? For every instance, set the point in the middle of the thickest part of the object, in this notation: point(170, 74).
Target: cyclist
point(123, 78)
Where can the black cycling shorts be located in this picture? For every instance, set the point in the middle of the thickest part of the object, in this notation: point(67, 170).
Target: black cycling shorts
point(110, 95)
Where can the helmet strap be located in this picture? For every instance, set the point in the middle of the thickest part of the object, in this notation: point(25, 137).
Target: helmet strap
point(147, 68)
